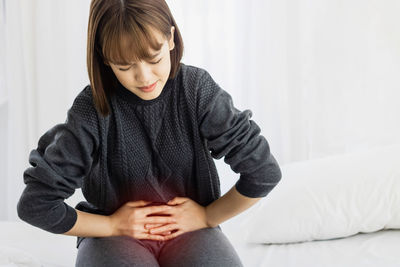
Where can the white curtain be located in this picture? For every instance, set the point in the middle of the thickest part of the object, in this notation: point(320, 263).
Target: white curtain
point(16, 108)
point(3, 115)
point(320, 76)
point(45, 69)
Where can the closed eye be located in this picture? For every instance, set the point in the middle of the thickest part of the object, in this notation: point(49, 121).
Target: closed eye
point(150, 63)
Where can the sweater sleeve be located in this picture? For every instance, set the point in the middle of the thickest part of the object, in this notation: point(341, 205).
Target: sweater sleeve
point(61, 160)
point(230, 133)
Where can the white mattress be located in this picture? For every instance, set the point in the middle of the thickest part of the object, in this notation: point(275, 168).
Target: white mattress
point(24, 245)
point(377, 249)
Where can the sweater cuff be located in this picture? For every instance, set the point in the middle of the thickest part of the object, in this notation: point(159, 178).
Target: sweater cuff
point(67, 223)
point(253, 190)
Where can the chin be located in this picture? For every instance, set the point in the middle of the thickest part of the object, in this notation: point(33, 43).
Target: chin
point(149, 96)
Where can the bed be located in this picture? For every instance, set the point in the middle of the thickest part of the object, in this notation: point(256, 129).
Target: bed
point(22, 245)
point(340, 210)
point(377, 249)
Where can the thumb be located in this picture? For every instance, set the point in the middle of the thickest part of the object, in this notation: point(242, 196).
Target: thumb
point(176, 200)
point(138, 203)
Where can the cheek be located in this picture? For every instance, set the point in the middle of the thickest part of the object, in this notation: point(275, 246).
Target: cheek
point(165, 68)
point(125, 77)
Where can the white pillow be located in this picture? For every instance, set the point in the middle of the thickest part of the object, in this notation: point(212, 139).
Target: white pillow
point(331, 197)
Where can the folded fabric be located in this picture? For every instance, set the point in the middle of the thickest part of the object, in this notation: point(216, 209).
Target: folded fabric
point(11, 256)
point(330, 197)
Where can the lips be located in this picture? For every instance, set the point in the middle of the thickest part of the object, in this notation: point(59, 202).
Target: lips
point(146, 88)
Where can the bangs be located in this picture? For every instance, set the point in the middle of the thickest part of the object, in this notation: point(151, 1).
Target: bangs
point(125, 41)
point(124, 32)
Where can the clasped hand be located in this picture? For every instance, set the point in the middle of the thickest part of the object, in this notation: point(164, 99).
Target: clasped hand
point(141, 220)
point(188, 215)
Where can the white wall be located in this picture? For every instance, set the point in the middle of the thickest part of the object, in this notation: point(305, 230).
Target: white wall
point(3, 116)
point(320, 76)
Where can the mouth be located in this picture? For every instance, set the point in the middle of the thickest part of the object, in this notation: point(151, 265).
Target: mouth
point(148, 88)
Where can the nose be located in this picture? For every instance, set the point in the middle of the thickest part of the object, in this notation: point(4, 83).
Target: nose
point(143, 75)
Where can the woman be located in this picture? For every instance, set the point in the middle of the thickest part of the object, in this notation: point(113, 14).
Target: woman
point(137, 140)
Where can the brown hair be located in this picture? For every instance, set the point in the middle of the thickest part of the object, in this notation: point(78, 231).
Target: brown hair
point(119, 32)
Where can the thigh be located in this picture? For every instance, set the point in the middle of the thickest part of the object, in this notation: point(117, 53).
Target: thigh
point(114, 251)
point(203, 247)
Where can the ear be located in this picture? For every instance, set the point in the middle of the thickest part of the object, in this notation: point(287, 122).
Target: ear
point(171, 42)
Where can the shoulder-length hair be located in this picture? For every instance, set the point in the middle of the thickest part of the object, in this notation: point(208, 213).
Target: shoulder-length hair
point(119, 31)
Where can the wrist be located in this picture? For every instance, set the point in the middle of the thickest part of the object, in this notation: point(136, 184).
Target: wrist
point(209, 221)
point(112, 227)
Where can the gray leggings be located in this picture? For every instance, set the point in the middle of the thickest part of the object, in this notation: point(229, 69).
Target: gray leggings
point(203, 247)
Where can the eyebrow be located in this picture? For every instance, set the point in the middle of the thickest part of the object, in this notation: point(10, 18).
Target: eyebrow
point(152, 57)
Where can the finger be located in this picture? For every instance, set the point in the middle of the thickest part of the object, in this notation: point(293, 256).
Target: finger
point(164, 228)
point(159, 220)
point(154, 209)
point(173, 235)
point(177, 200)
point(152, 225)
point(138, 203)
point(165, 233)
point(153, 237)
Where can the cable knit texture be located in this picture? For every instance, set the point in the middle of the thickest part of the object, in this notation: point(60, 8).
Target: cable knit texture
point(145, 150)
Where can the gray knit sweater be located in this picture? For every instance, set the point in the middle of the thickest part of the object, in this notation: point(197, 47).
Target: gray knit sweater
point(145, 149)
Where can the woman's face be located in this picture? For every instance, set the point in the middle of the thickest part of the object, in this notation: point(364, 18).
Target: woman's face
point(143, 73)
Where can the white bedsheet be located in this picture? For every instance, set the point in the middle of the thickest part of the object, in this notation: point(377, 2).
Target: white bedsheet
point(24, 245)
point(377, 249)
point(35, 245)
